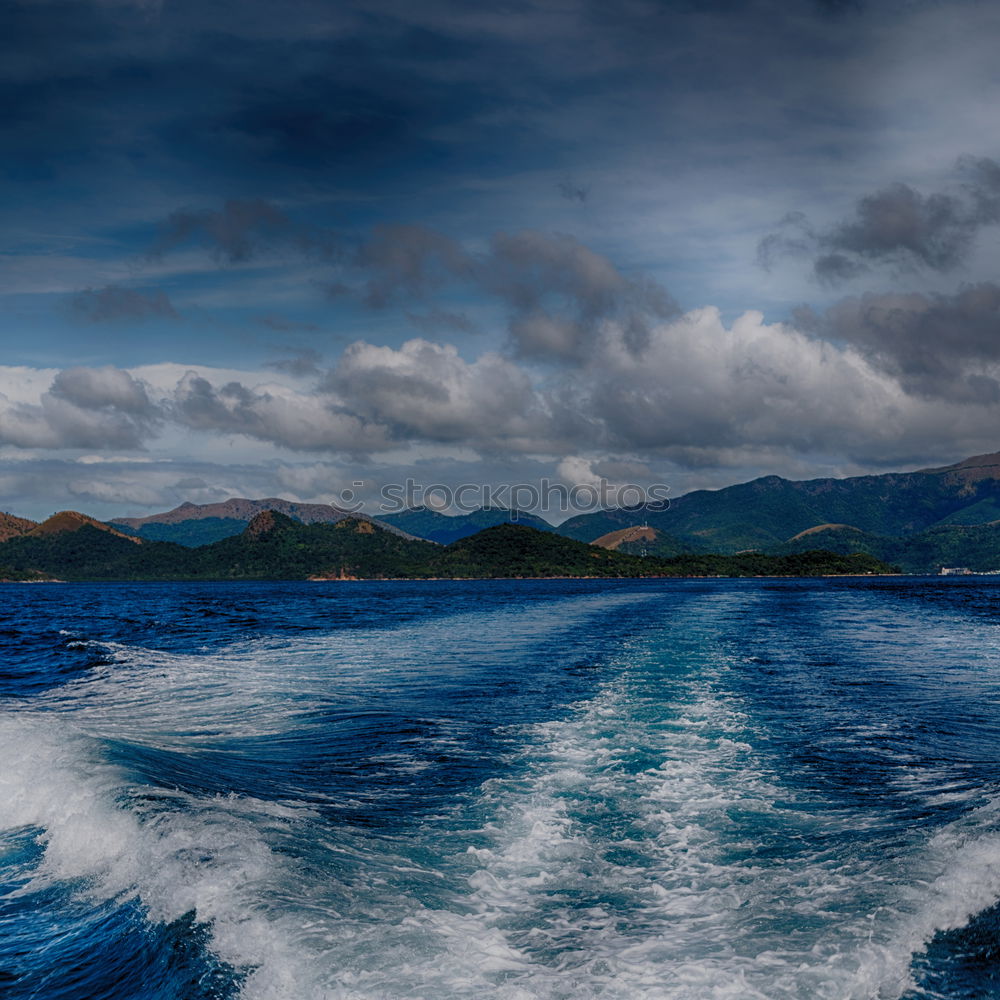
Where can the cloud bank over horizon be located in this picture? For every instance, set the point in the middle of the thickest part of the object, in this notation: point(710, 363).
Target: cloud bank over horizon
point(287, 251)
point(747, 395)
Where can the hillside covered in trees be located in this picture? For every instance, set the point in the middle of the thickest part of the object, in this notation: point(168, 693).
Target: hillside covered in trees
point(274, 546)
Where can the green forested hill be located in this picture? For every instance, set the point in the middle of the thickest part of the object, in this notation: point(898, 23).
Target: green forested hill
point(89, 553)
point(768, 512)
point(512, 551)
point(273, 546)
point(276, 547)
point(812, 562)
point(192, 533)
point(509, 550)
point(976, 547)
point(445, 529)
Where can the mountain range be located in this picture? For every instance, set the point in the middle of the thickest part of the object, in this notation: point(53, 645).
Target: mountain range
point(761, 514)
point(770, 511)
point(195, 524)
point(917, 520)
point(71, 546)
point(200, 524)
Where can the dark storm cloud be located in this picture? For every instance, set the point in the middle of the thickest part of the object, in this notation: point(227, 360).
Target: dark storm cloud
point(113, 303)
point(238, 231)
point(248, 98)
point(51, 71)
point(897, 226)
point(936, 345)
point(562, 292)
point(982, 185)
point(900, 225)
point(558, 291)
point(406, 262)
point(833, 268)
point(252, 97)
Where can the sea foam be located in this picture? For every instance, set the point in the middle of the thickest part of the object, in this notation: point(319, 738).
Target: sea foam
point(642, 843)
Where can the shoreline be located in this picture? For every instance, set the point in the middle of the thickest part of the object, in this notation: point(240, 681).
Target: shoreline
point(499, 579)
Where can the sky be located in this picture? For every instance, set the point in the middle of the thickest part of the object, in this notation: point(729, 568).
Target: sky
point(311, 249)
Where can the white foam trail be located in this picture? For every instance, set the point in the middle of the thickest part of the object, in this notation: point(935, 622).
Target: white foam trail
point(228, 859)
point(595, 877)
point(175, 853)
point(271, 686)
point(706, 917)
point(639, 849)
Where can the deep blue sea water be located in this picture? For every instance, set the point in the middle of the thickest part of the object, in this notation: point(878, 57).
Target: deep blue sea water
point(535, 789)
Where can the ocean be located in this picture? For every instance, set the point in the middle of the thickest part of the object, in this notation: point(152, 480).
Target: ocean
point(627, 790)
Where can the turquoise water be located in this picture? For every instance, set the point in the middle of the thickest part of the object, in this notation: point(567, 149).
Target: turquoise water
point(534, 789)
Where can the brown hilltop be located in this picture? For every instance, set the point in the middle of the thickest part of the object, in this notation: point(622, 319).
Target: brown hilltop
point(970, 470)
point(72, 520)
point(262, 524)
point(240, 509)
point(12, 526)
point(817, 528)
point(615, 539)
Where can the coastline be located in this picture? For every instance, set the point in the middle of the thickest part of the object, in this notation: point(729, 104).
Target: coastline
point(498, 579)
